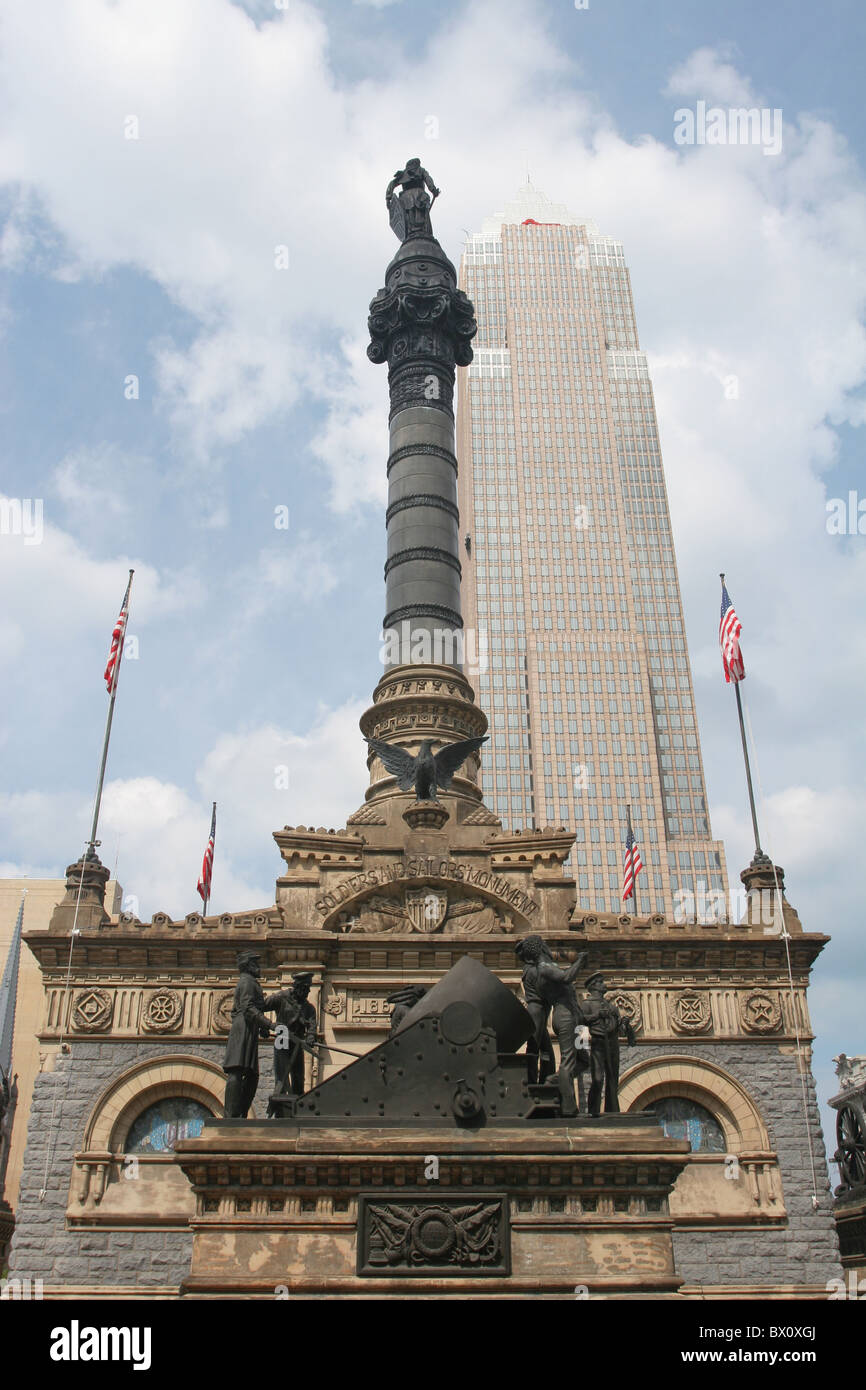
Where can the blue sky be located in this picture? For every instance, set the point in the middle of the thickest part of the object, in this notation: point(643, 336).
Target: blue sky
point(261, 127)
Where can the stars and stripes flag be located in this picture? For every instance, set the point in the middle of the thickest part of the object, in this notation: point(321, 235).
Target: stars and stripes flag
point(112, 667)
point(730, 628)
point(204, 882)
point(632, 864)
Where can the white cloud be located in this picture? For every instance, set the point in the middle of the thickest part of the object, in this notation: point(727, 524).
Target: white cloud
point(85, 480)
point(353, 443)
point(298, 570)
point(261, 779)
point(82, 595)
point(270, 777)
point(706, 76)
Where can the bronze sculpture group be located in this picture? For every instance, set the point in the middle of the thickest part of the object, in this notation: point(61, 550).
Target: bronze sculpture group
point(587, 1030)
point(549, 988)
point(294, 1034)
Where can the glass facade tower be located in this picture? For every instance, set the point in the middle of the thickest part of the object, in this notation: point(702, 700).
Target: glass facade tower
point(569, 572)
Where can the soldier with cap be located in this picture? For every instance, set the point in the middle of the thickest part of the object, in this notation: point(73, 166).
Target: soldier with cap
point(605, 1023)
point(241, 1062)
point(547, 986)
point(296, 1029)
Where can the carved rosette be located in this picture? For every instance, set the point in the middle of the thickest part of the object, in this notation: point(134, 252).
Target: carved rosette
point(92, 1010)
point(690, 1011)
point(221, 1017)
point(628, 1005)
point(761, 1011)
point(163, 1012)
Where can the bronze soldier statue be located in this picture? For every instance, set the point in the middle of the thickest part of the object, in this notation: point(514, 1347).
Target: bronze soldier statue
point(241, 1062)
point(605, 1023)
point(541, 1062)
point(296, 1021)
point(547, 986)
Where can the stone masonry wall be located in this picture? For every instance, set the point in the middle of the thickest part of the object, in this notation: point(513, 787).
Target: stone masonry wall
point(42, 1247)
point(805, 1250)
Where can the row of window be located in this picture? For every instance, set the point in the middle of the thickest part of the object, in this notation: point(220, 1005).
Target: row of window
point(160, 1126)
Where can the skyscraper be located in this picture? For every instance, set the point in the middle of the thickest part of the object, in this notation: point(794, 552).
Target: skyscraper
point(569, 565)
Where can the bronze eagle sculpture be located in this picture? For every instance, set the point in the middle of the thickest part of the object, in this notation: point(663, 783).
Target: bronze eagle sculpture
point(427, 771)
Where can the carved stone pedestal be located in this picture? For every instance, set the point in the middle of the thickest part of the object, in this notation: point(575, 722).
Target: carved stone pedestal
point(559, 1209)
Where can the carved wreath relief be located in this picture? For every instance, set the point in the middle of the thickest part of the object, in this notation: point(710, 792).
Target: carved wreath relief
point(222, 1011)
point(628, 1005)
point(761, 1012)
point(92, 1010)
point(690, 1011)
point(448, 1236)
point(163, 1012)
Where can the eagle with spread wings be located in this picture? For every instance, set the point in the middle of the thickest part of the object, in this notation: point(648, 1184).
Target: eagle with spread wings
point(426, 771)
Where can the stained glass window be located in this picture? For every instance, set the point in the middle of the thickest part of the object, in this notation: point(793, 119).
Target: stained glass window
point(160, 1125)
point(685, 1119)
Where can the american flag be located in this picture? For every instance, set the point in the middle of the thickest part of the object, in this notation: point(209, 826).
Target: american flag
point(204, 882)
point(112, 668)
point(632, 865)
point(730, 628)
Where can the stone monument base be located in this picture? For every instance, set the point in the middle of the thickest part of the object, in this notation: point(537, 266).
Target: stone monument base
point(561, 1209)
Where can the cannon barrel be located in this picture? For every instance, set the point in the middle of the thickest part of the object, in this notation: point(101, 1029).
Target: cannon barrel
point(470, 982)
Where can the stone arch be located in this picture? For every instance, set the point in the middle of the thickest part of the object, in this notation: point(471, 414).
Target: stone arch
point(140, 1086)
point(708, 1085)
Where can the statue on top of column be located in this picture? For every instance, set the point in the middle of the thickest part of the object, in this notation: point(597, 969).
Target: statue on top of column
point(409, 211)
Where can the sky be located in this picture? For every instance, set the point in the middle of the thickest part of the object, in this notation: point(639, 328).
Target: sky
point(192, 225)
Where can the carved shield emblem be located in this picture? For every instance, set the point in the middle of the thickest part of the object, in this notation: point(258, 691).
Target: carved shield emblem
point(426, 908)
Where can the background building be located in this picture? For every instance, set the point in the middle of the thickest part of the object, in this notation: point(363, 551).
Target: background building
point(569, 562)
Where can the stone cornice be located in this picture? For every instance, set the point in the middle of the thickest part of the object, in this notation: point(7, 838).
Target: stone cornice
point(206, 956)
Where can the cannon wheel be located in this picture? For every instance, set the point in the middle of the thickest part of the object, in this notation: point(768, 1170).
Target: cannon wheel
point(851, 1153)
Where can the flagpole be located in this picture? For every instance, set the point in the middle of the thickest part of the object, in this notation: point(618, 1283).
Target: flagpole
point(92, 842)
point(736, 685)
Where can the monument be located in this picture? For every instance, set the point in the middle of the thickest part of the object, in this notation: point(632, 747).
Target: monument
point(452, 1155)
